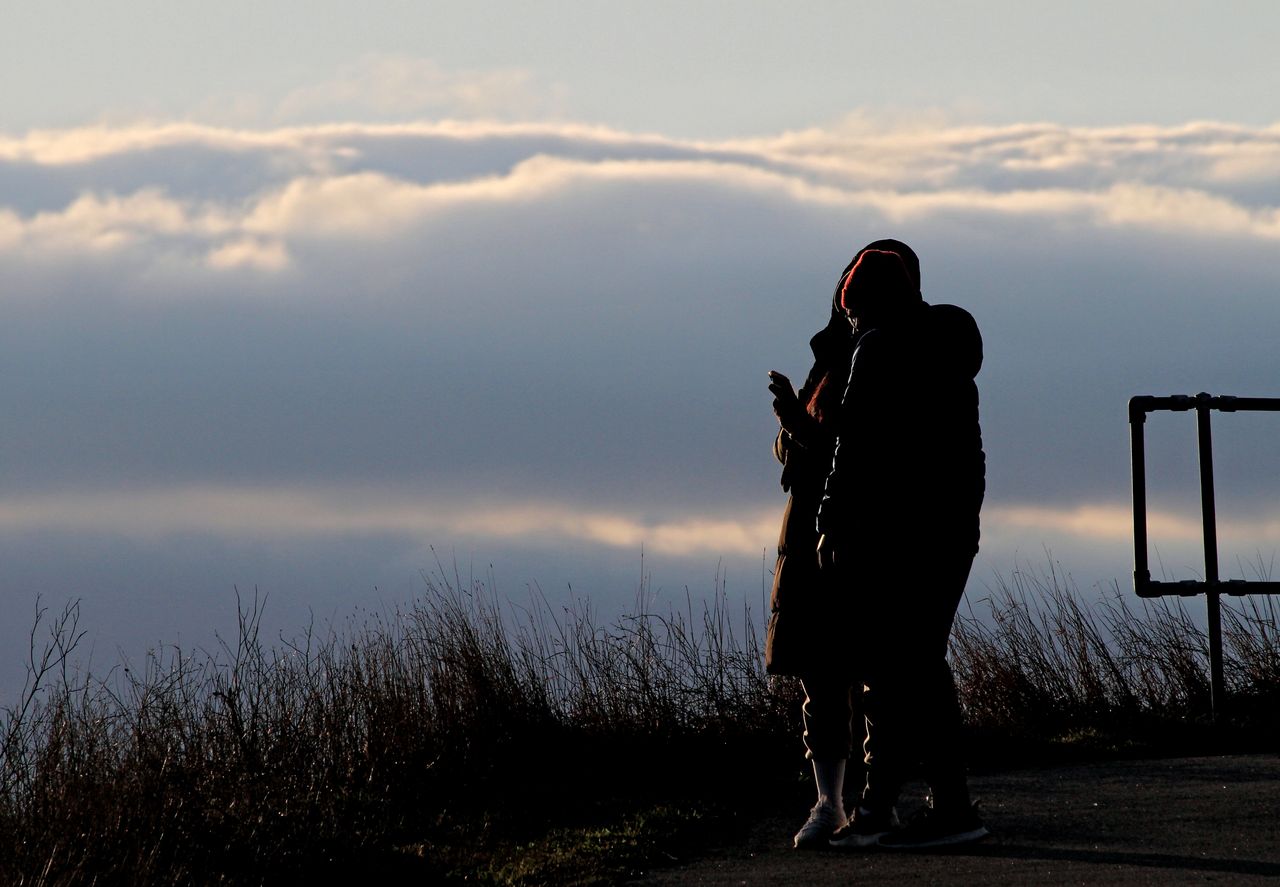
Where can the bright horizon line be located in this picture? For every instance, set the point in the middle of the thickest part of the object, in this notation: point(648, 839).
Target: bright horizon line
point(292, 512)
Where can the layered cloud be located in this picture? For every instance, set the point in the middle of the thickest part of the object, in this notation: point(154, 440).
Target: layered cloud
point(557, 334)
point(236, 199)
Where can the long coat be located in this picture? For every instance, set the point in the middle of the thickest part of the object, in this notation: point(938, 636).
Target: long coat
point(802, 637)
point(809, 619)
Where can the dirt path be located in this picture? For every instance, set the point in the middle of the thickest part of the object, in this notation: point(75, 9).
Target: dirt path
point(1166, 822)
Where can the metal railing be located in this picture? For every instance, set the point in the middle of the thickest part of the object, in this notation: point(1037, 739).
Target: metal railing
point(1212, 587)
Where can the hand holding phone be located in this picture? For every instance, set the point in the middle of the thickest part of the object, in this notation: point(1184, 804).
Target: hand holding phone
point(786, 405)
point(780, 385)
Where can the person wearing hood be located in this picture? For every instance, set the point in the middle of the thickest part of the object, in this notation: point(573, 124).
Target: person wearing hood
point(807, 634)
point(898, 530)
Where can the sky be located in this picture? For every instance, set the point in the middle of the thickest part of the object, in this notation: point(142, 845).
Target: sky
point(316, 298)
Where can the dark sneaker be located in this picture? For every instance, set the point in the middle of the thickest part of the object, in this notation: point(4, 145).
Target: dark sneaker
point(929, 828)
point(824, 820)
point(865, 829)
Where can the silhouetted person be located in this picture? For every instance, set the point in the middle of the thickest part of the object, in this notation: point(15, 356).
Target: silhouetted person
point(899, 528)
point(809, 633)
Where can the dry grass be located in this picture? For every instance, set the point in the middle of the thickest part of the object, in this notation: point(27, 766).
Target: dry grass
point(1035, 658)
point(458, 737)
point(386, 745)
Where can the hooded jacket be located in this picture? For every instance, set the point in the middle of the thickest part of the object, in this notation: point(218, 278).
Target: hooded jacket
point(909, 471)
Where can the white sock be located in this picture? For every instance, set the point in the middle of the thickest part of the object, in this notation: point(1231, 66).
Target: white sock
point(829, 777)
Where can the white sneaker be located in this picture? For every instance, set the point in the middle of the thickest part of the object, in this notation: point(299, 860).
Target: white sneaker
point(823, 821)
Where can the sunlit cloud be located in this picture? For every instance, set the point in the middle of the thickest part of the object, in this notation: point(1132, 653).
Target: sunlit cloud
point(1244, 162)
point(1174, 210)
point(251, 253)
point(1113, 522)
point(318, 143)
point(102, 224)
point(85, 144)
point(241, 513)
point(291, 513)
point(1109, 522)
point(919, 157)
point(1161, 180)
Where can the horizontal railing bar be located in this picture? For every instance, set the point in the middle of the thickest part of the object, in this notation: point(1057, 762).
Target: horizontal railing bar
point(1193, 587)
point(1238, 404)
point(1142, 404)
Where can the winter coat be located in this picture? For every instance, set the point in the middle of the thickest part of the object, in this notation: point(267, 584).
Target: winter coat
point(908, 473)
point(798, 638)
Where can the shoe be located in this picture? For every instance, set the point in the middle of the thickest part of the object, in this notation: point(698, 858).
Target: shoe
point(929, 828)
point(824, 820)
point(865, 829)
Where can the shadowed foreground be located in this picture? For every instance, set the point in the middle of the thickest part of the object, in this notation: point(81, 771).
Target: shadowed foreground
point(1174, 821)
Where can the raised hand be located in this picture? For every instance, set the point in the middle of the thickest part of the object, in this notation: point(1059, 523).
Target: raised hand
point(786, 405)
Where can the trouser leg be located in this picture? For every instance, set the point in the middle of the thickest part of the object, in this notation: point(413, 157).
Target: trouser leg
point(913, 713)
point(830, 707)
point(942, 741)
point(887, 749)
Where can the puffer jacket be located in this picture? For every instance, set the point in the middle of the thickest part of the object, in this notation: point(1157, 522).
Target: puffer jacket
point(909, 472)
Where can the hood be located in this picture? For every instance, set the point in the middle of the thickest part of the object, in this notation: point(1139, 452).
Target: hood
point(954, 340)
point(834, 343)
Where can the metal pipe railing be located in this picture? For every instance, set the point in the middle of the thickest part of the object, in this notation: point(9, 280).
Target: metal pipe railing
point(1212, 586)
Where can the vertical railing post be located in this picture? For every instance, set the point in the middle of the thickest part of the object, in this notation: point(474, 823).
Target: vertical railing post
point(1217, 684)
point(1137, 446)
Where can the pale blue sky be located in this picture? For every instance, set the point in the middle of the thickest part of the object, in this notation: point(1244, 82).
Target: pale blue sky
point(305, 295)
point(686, 69)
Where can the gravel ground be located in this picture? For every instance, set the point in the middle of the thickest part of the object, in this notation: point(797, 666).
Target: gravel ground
point(1166, 822)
